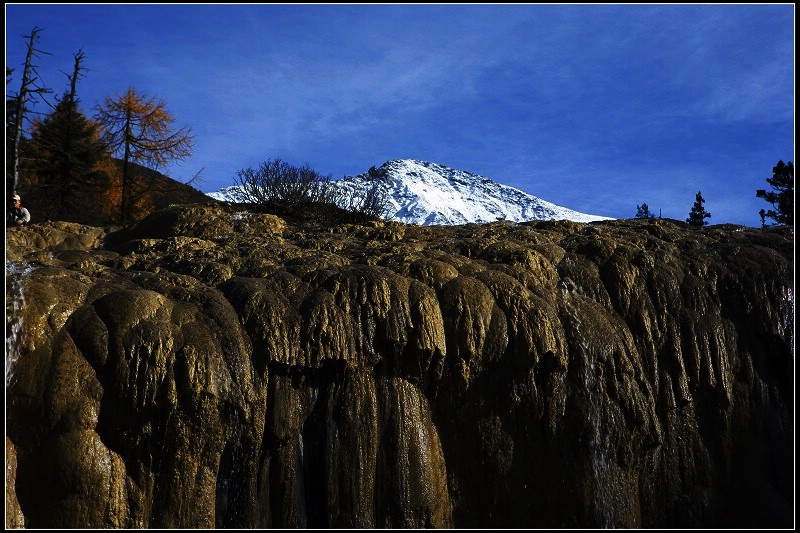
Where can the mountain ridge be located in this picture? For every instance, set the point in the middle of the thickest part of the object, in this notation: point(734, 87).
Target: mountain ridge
point(426, 193)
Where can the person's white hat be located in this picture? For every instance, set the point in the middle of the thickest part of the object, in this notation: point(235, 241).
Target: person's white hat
point(17, 198)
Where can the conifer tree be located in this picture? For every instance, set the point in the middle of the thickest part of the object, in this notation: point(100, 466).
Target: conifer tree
point(782, 197)
point(643, 211)
point(65, 149)
point(698, 214)
point(139, 129)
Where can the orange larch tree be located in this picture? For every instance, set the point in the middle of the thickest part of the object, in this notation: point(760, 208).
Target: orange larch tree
point(140, 129)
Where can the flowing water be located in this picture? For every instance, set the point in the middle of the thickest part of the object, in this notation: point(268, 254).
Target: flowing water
point(600, 464)
point(15, 302)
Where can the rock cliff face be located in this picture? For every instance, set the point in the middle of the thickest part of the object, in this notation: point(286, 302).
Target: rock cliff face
point(213, 368)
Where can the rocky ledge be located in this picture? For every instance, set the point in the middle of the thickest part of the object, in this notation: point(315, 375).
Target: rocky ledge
point(210, 367)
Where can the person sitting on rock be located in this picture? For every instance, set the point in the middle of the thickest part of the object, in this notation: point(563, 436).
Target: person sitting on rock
point(18, 215)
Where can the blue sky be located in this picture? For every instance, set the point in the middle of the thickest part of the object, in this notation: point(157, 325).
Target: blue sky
point(597, 108)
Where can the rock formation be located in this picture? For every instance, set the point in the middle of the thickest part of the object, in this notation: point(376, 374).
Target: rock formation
point(208, 367)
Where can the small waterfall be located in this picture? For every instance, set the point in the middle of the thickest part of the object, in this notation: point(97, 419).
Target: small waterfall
point(15, 302)
point(602, 476)
point(600, 472)
point(786, 320)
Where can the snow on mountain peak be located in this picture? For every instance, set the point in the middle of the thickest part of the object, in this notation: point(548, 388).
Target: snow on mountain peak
point(427, 193)
point(420, 192)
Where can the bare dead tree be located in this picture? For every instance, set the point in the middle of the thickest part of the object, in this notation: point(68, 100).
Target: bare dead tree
point(301, 191)
point(375, 202)
point(366, 202)
point(29, 89)
point(276, 182)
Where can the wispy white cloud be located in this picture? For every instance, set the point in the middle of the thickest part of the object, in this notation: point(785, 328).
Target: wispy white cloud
point(595, 105)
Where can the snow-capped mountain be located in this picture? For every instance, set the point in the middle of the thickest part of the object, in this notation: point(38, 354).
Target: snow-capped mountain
point(225, 194)
point(426, 193)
